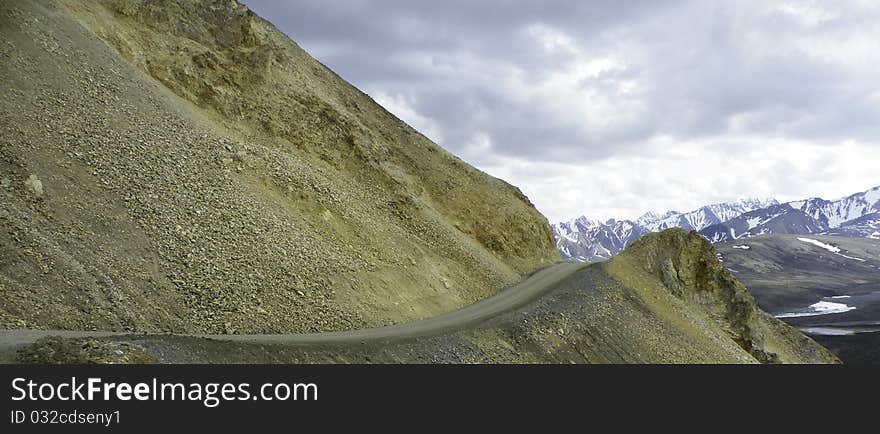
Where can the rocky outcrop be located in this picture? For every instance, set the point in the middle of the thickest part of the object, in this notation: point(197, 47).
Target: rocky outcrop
point(688, 267)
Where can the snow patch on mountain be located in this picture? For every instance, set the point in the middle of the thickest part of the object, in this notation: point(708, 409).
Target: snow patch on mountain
point(820, 308)
point(833, 249)
point(852, 257)
point(818, 243)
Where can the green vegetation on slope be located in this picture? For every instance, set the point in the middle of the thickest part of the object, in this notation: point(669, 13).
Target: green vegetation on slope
point(183, 166)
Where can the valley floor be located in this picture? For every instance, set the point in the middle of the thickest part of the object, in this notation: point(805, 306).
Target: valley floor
point(826, 286)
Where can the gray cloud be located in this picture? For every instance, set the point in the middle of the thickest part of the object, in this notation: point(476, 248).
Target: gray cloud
point(515, 86)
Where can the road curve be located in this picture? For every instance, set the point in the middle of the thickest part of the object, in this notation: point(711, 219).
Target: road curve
point(507, 299)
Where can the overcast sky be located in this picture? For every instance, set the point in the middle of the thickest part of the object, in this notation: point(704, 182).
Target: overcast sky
point(611, 108)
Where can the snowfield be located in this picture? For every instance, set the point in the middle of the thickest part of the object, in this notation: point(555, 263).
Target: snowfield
point(827, 331)
point(820, 308)
point(818, 243)
point(829, 247)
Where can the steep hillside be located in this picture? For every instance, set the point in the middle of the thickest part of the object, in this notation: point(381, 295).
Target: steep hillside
point(665, 300)
point(183, 166)
point(707, 297)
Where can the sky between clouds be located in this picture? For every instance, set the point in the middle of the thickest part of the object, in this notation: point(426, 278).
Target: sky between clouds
point(610, 108)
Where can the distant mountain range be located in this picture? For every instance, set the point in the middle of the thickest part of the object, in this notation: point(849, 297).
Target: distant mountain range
point(858, 215)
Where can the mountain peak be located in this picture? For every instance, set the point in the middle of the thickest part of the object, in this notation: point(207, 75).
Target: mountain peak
point(723, 221)
point(651, 216)
point(763, 202)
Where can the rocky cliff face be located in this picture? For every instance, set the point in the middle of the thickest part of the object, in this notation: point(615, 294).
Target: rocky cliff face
point(183, 166)
point(688, 267)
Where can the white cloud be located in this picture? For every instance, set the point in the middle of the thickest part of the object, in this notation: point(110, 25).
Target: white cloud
point(808, 13)
point(683, 176)
point(611, 109)
point(553, 40)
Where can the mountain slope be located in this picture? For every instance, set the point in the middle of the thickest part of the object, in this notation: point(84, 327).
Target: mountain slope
point(777, 219)
point(685, 265)
point(833, 213)
point(849, 216)
point(866, 226)
point(183, 166)
point(665, 300)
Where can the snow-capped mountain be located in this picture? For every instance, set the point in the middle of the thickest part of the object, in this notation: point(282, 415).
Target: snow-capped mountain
point(584, 239)
point(857, 215)
point(704, 217)
point(853, 216)
point(866, 226)
point(834, 213)
point(776, 219)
